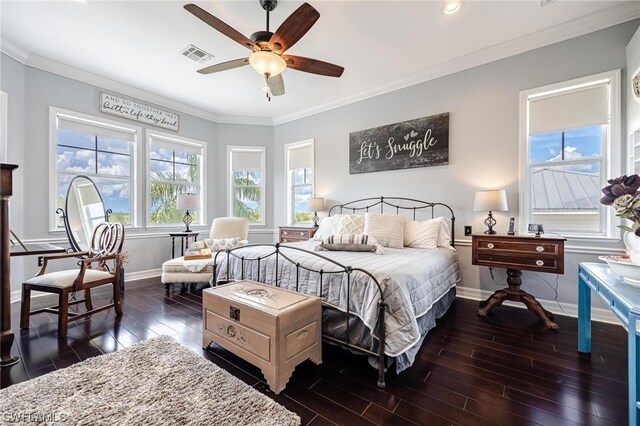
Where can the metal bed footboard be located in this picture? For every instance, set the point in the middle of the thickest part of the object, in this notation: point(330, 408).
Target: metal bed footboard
point(279, 251)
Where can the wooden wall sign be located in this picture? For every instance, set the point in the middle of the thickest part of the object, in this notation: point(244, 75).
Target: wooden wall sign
point(422, 142)
point(134, 110)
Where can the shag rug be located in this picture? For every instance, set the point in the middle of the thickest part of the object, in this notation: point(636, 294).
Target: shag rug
point(156, 382)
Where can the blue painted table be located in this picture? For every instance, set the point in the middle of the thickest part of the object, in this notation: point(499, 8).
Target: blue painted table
point(624, 301)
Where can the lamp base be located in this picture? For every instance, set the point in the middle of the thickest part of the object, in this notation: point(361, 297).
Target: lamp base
point(187, 219)
point(316, 218)
point(490, 222)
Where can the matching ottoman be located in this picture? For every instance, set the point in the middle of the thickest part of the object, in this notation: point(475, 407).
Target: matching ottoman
point(272, 328)
point(177, 271)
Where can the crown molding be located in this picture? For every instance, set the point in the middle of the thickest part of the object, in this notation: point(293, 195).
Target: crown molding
point(575, 28)
point(13, 51)
point(568, 30)
point(49, 65)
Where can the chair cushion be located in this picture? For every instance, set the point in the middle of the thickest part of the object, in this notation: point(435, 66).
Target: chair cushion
point(63, 279)
point(176, 266)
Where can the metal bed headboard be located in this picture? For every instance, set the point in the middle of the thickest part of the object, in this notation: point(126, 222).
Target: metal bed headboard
point(400, 204)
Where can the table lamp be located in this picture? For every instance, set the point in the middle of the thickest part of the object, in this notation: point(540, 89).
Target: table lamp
point(315, 204)
point(490, 201)
point(188, 202)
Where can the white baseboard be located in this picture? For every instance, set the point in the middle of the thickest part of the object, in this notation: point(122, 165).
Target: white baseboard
point(597, 314)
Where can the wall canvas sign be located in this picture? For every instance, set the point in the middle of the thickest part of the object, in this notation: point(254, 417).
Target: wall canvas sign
point(134, 110)
point(422, 142)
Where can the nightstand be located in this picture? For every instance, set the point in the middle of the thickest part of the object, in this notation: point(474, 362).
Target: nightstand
point(184, 241)
point(518, 253)
point(295, 233)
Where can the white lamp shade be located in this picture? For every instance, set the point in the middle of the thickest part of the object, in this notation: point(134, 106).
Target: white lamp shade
point(267, 63)
point(188, 202)
point(315, 204)
point(490, 201)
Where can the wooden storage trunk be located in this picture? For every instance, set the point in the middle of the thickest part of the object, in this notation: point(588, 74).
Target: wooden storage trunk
point(272, 328)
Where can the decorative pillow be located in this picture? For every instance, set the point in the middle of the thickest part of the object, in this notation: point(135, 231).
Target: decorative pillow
point(350, 224)
point(224, 243)
point(197, 245)
point(350, 242)
point(387, 229)
point(339, 224)
point(421, 234)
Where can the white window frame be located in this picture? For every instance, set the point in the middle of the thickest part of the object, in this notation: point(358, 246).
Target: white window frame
point(177, 141)
point(54, 113)
point(4, 105)
point(247, 148)
point(288, 183)
point(634, 142)
point(612, 162)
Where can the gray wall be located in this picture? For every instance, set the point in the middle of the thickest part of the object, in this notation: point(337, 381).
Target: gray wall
point(31, 92)
point(483, 107)
point(483, 103)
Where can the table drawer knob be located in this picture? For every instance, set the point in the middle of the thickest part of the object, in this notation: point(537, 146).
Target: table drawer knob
point(539, 249)
point(285, 232)
point(490, 245)
point(540, 262)
point(301, 233)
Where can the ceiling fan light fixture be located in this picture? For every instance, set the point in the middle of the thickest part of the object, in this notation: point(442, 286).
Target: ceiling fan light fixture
point(451, 6)
point(267, 63)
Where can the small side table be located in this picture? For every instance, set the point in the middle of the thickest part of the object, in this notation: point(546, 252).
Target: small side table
point(624, 301)
point(517, 253)
point(184, 241)
point(295, 233)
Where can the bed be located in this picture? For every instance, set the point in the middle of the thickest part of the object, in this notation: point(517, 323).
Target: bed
point(380, 305)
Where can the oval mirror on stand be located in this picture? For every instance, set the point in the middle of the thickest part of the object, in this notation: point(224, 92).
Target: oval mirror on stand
point(83, 211)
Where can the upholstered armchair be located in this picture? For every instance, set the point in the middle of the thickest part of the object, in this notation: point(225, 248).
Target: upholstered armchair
point(176, 271)
point(98, 266)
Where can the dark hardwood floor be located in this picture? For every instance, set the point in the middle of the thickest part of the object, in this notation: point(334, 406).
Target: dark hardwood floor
point(505, 369)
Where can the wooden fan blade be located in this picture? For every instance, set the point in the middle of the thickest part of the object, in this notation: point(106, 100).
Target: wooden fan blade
point(293, 28)
point(313, 66)
point(223, 66)
point(217, 24)
point(276, 85)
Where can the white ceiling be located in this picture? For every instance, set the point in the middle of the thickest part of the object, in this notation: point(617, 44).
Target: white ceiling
point(383, 45)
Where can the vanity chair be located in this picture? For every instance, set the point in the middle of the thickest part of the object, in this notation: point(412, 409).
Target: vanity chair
point(174, 270)
point(98, 266)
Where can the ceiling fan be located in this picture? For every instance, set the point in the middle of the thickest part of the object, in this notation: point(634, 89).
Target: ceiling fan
point(268, 48)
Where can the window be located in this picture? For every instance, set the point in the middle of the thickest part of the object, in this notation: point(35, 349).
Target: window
point(571, 147)
point(246, 182)
point(299, 171)
point(175, 167)
point(100, 149)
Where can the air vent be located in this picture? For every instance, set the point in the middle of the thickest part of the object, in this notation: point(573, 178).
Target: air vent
point(546, 2)
point(196, 54)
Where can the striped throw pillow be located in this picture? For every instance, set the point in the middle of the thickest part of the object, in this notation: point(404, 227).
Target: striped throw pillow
point(350, 242)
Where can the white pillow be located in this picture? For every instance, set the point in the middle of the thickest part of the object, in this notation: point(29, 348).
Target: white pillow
point(444, 239)
point(387, 229)
point(339, 224)
point(328, 226)
point(421, 234)
point(350, 224)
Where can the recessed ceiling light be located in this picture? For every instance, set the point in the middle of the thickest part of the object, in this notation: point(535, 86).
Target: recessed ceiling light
point(451, 6)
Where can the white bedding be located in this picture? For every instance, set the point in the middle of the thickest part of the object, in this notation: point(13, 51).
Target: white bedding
point(412, 280)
